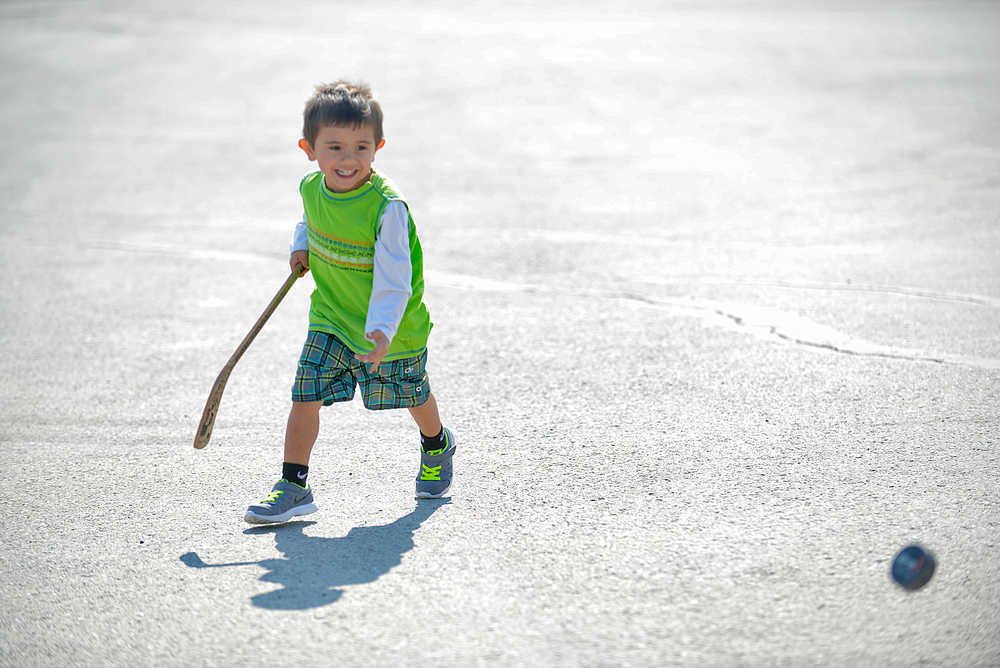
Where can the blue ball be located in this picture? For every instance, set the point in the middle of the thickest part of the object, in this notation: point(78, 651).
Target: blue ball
point(913, 567)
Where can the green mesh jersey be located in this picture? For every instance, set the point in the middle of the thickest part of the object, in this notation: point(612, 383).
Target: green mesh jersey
point(342, 230)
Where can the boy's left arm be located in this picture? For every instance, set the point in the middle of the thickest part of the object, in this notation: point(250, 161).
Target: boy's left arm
point(391, 288)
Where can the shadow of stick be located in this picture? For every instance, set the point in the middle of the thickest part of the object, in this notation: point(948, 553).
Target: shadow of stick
point(194, 561)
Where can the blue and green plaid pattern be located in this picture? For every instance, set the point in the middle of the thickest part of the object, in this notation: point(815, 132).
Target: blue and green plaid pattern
point(329, 373)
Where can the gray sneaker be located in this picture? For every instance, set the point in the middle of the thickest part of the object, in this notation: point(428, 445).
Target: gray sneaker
point(285, 501)
point(434, 475)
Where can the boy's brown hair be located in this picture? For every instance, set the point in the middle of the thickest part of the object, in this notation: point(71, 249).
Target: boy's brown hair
point(341, 103)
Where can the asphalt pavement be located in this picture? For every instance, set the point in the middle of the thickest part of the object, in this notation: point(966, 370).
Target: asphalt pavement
point(716, 291)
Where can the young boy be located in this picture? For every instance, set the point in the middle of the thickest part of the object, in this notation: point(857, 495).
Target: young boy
point(368, 325)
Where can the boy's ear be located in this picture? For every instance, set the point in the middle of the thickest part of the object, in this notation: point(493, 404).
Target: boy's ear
point(380, 145)
point(304, 145)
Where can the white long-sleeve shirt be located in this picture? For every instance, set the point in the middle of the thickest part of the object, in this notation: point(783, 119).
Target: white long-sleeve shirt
point(391, 289)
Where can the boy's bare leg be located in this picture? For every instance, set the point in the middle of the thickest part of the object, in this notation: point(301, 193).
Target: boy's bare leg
point(436, 451)
point(301, 432)
point(427, 418)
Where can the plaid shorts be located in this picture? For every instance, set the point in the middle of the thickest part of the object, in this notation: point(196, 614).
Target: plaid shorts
point(329, 373)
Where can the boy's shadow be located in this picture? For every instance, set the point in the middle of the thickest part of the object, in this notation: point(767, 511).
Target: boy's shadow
point(314, 569)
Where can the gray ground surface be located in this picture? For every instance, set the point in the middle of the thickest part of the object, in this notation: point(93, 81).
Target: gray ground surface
point(717, 292)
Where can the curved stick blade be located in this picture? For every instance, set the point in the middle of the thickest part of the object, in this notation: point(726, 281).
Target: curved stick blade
point(204, 432)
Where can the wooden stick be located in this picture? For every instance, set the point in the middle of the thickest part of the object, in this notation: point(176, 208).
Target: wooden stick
point(215, 396)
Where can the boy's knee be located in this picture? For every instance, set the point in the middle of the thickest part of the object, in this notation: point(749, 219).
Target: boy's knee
point(306, 406)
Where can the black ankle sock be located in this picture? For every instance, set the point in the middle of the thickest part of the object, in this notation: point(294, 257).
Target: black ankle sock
point(429, 443)
point(296, 473)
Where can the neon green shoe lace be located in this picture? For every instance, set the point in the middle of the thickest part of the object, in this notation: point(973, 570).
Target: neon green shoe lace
point(273, 496)
point(430, 472)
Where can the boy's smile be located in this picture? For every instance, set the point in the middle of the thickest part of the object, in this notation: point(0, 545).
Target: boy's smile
point(344, 154)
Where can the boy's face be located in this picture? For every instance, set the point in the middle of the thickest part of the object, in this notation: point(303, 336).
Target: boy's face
point(345, 155)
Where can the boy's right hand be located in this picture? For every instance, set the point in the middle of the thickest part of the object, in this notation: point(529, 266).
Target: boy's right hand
point(299, 258)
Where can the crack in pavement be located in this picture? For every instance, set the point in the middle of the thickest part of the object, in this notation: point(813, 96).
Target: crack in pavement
point(774, 324)
point(765, 323)
point(913, 357)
